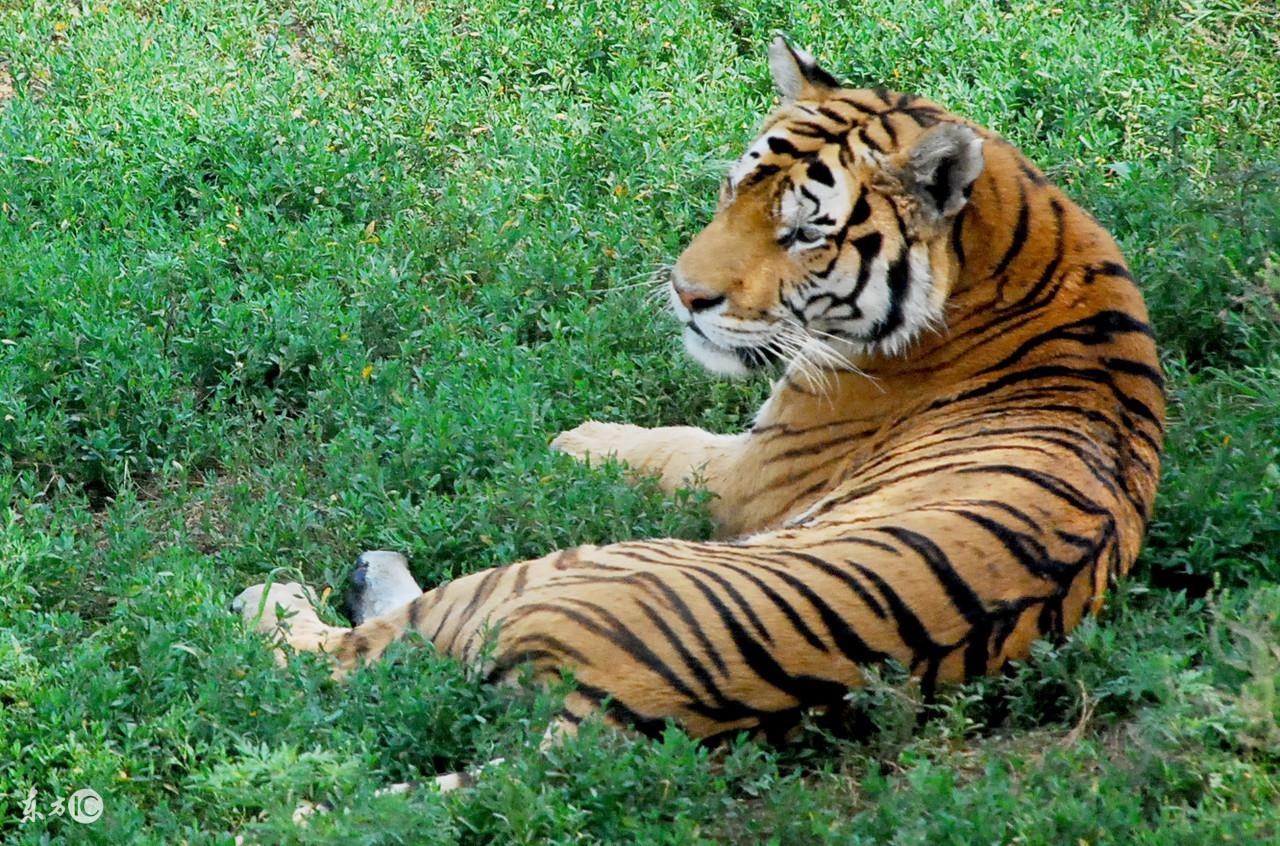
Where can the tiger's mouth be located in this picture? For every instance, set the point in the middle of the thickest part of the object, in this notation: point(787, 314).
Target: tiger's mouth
point(726, 361)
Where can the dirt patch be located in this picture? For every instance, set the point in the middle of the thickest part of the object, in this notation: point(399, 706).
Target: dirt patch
point(6, 85)
point(205, 517)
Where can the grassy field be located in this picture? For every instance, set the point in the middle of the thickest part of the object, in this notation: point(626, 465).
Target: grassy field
point(284, 280)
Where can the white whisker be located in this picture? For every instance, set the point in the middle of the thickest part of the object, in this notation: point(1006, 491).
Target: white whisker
point(658, 277)
point(822, 355)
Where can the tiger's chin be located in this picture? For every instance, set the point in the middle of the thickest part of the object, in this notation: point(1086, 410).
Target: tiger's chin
point(735, 363)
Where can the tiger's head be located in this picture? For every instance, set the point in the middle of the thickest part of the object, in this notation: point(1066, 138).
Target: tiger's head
point(832, 238)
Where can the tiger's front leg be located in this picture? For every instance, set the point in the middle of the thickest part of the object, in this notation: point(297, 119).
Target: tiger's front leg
point(678, 456)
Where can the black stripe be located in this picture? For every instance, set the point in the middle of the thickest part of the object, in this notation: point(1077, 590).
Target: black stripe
point(726, 709)
point(736, 561)
point(481, 592)
point(1096, 329)
point(868, 142)
point(1095, 375)
point(861, 211)
point(868, 247)
point(1105, 472)
point(912, 632)
point(1030, 298)
point(976, 655)
point(439, 592)
point(924, 116)
point(1059, 488)
point(1016, 513)
point(844, 637)
point(782, 147)
point(737, 598)
point(1032, 555)
point(808, 129)
point(853, 104)
point(958, 590)
point(867, 489)
point(871, 542)
point(760, 174)
point(836, 573)
point(1020, 231)
point(780, 602)
point(620, 635)
point(1080, 444)
point(678, 605)
point(1030, 173)
point(819, 172)
point(888, 128)
point(1135, 368)
point(415, 611)
point(514, 659)
point(833, 115)
point(614, 707)
point(761, 662)
point(924, 649)
point(552, 644)
point(1106, 268)
point(899, 279)
point(358, 643)
point(1050, 621)
point(826, 271)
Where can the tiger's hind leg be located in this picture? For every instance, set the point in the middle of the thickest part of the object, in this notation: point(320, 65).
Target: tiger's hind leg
point(379, 602)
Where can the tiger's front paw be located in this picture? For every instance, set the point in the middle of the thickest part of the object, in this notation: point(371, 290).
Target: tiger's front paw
point(592, 442)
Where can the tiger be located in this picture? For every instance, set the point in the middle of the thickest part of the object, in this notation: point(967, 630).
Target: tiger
point(958, 456)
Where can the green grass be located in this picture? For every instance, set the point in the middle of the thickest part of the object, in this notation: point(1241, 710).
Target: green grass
point(283, 281)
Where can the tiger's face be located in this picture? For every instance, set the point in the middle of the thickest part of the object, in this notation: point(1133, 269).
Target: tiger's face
point(831, 238)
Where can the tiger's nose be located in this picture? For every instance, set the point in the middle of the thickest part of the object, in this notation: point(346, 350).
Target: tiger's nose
point(697, 299)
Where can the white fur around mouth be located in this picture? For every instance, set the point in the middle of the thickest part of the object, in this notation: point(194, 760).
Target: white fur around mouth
point(715, 359)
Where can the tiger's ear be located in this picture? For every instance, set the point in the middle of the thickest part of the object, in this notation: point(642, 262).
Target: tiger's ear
point(794, 70)
point(940, 169)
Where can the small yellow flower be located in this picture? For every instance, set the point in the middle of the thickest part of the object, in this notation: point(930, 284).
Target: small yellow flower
point(367, 372)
